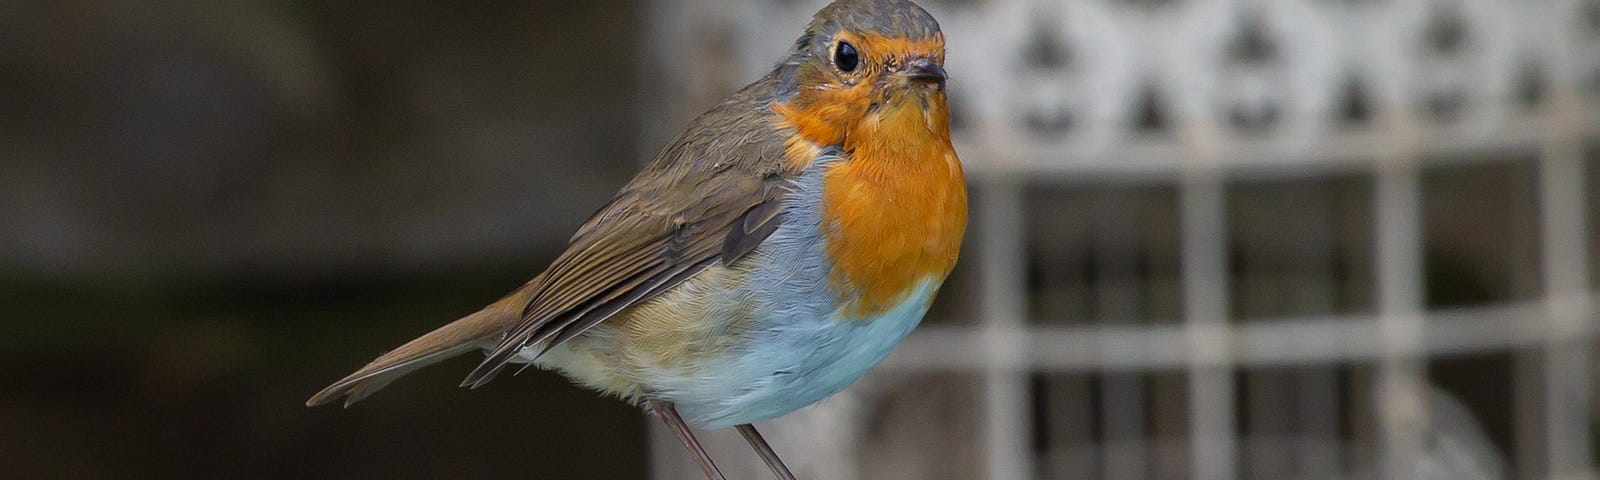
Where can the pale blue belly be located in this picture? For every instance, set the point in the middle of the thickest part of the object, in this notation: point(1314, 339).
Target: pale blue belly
point(797, 349)
point(795, 362)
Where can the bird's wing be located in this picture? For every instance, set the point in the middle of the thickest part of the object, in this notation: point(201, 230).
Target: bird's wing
point(711, 197)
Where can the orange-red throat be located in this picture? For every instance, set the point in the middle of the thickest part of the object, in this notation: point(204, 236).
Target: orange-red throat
point(895, 211)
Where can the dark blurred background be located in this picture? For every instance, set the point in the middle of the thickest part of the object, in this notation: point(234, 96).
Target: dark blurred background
point(211, 209)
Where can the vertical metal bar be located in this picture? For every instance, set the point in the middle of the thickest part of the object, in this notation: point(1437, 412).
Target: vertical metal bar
point(667, 460)
point(1566, 263)
point(1003, 276)
point(1205, 285)
point(1399, 396)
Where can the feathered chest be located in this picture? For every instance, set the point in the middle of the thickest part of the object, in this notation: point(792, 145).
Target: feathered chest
point(893, 212)
point(893, 216)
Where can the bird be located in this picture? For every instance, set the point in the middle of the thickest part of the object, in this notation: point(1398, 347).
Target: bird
point(769, 255)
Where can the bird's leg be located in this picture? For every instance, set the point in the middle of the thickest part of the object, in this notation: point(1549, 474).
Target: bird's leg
point(669, 415)
point(767, 455)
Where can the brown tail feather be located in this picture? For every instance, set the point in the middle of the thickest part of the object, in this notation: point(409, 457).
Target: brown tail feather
point(448, 341)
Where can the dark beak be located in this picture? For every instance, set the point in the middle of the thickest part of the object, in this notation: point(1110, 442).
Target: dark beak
point(926, 71)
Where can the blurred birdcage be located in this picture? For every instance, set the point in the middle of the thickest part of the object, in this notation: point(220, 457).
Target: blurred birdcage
point(1224, 239)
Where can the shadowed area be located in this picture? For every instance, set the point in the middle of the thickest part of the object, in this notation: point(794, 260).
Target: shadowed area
point(211, 210)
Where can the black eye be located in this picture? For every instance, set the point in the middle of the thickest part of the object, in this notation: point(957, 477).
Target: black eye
point(846, 58)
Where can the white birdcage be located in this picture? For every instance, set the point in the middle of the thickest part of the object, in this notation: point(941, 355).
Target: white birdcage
point(1190, 99)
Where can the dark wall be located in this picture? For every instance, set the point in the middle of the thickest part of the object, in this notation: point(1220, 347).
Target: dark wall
point(211, 209)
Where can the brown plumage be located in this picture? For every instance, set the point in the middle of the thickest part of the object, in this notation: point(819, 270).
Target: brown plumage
point(683, 212)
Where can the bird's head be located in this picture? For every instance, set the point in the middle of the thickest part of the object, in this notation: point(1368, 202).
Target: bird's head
point(865, 64)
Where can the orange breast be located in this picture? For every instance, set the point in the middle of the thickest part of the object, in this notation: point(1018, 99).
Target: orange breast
point(895, 212)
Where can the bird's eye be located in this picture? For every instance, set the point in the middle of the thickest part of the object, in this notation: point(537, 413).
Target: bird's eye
point(845, 57)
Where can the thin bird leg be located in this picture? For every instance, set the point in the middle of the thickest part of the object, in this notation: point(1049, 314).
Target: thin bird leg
point(669, 415)
point(767, 455)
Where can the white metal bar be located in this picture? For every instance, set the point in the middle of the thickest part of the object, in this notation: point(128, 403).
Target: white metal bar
point(1003, 345)
point(1162, 158)
point(1566, 263)
point(1205, 284)
point(1400, 399)
point(668, 459)
point(1266, 342)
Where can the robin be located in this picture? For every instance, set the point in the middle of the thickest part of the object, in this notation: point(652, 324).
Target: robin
point(775, 250)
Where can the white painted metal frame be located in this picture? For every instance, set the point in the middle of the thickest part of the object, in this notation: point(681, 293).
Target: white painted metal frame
point(1186, 52)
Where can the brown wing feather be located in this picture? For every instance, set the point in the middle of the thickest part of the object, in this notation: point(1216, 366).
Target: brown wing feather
point(753, 227)
point(714, 194)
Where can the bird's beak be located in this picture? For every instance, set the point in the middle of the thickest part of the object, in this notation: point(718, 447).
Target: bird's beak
point(924, 70)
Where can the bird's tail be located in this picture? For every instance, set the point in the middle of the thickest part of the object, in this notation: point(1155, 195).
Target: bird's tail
point(453, 339)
